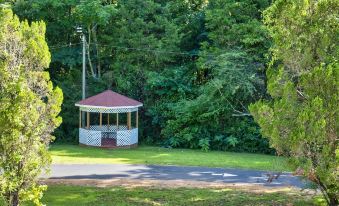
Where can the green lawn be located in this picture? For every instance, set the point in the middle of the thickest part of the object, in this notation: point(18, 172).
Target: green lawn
point(59, 195)
point(72, 154)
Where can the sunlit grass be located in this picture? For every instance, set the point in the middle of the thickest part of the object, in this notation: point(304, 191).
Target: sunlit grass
point(74, 154)
point(59, 195)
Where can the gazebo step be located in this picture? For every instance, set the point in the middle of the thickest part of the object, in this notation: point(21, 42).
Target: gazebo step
point(108, 142)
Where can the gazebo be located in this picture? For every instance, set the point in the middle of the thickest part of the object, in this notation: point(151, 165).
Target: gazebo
point(108, 122)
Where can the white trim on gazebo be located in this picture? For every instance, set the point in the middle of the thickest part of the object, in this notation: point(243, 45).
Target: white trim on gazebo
point(87, 108)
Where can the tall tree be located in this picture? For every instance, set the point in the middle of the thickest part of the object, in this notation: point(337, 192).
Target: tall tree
point(136, 42)
point(175, 80)
point(301, 118)
point(29, 108)
point(61, 19)
point(93, 14)
point(140, 39)
point(228, 78)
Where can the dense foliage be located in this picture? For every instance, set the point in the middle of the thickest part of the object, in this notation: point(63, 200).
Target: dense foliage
point(29, 108)
point(301, 119)
point(229, 70)
point(196, 65)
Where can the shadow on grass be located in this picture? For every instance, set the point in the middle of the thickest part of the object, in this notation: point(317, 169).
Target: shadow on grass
point(76, 196)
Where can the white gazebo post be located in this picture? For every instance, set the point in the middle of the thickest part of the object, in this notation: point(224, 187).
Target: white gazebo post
point(117, 121)
point(108, 136)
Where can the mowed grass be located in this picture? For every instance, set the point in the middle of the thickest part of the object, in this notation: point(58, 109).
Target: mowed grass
point(60, 195)
point(74, 154)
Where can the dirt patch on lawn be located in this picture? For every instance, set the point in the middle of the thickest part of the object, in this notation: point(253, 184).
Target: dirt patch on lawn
point(132, 183)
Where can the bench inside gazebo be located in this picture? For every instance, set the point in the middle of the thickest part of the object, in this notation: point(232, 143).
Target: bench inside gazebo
point(108, 120)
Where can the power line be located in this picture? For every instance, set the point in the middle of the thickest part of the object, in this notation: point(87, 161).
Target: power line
point(156, 51)
point(63, 46)
point(148, 50)
point(128, 48)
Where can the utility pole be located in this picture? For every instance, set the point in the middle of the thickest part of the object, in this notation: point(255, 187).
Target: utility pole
point(83, 66)
point(83, 38)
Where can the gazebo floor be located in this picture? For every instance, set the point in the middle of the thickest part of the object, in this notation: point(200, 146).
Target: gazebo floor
point(108, 142)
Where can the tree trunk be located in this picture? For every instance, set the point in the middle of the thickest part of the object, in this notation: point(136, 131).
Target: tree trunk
point(15, 199)
point(89, 52)
point(333, 200)
point(330, 197)
point(95, 39)
point(12, 198)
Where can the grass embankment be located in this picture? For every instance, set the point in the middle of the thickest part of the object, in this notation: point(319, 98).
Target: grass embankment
point(59, 195)
point(73, 154)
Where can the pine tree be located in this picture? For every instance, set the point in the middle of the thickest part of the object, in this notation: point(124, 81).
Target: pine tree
point(29, 108)
point(301, 119)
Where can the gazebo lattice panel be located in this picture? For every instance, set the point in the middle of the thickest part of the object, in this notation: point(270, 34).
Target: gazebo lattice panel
point(94, 137)
point(127, 137)
point(89, 137)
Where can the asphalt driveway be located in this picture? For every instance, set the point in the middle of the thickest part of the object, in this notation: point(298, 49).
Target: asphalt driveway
point(163, 173)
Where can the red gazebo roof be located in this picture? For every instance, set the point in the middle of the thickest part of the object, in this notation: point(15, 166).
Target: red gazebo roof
point(109, 98)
